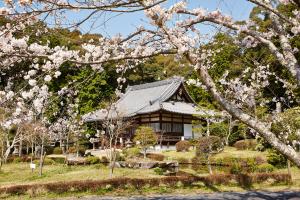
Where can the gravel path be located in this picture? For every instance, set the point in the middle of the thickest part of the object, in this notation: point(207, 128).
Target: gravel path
point(251, 195)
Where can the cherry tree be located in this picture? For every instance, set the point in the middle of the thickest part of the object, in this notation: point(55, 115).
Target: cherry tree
point(174, 30)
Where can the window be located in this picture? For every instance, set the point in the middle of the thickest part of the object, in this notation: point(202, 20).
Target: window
point(177, 128)
point(166, 127)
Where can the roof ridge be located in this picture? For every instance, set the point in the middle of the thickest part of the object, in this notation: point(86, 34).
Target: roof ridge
point(156, 83)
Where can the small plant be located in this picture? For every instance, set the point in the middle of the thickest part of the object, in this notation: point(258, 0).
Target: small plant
point(92, 160)
point(132, 152)
point(276, 159)
point(17, 160)
point(158, 171)
point(183, 146)
point(48, 161)
point(104, 159)
point(236, 168)
point(265, 168)
point(57, 150)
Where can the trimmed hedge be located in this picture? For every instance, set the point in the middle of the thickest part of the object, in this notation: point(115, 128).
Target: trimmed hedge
point(247, 144)
point(121, 183)
point(155, 156)
point(183, 146)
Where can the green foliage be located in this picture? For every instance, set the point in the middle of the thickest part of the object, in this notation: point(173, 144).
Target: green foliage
point(276, 159)
point(183, 146)
point(236, 168)
point(57, 150)
point(158, 171)
point(93, 160)
point(288, 122)
point(48, 161)
point(104, 159)
point(266, 167)
point(182, 160)
point(17, 160)
point(132, 152)
point(145, 136)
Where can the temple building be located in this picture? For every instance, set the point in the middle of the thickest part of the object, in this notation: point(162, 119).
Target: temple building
point(163, 105)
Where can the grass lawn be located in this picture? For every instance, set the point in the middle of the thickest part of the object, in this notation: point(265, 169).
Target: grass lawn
point(20, 173)
point(227, 152)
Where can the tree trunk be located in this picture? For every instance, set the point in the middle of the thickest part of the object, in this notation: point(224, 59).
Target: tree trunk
point(257, 125)
point(20, 146)
point(289, 168)
point(42, 158)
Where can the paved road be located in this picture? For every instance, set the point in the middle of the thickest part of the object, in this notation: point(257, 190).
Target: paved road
point(212, 196)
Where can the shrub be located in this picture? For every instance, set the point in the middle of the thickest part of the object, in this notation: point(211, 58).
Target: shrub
point(17, 160)
point(49, 161)
point(72, 150)
point(57, 150)
point(249, 144)
point(183, 146)
point(92, 160)
point(81, 150)
point(120, 156)
point(266, 167)
point(155, 156)
point(208, 145)
point(276, 159)
point(249, 164)
point(132, 152)
point(104, 159)
point(182, 160)
point(236, 168)
point(158, 171)
point(59, 160)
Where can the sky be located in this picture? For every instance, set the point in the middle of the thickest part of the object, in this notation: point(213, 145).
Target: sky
point(111, 24)
point(127, 23)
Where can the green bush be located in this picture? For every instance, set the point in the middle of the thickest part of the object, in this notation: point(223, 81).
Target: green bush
point(92, 160)
point(49, 161)
point(17, 160)
point(247, 144)
point(158, 171)
point(57, 150)
point(120, 156)
point(236, 168)
point(250, 165)
point(266, 167)
point(276, 159)
point(132, 152)
point(104, 159)
point(183, 146)
point(59, 160)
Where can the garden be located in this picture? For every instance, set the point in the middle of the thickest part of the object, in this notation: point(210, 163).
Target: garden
point(142, 97)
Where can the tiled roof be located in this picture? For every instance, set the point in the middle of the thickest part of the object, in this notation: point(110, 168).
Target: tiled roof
point(146, 98)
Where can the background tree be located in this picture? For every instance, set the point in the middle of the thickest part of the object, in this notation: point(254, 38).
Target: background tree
point(145, 138)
